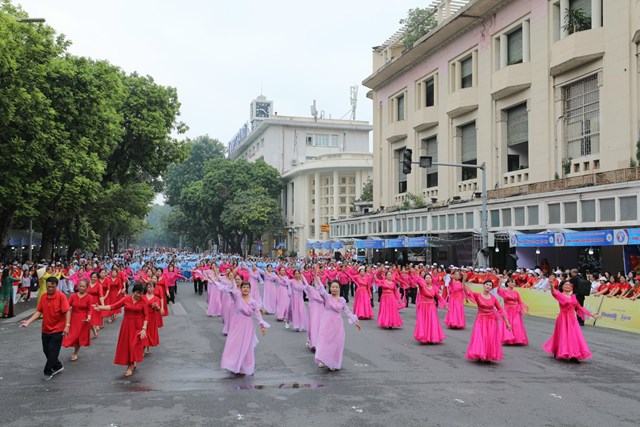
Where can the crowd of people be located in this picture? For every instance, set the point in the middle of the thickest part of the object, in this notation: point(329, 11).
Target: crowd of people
point(305, 295)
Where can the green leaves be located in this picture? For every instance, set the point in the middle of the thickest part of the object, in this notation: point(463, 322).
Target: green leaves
point(419, 21)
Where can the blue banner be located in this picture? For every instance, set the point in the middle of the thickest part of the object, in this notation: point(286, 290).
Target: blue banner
point(394, 243)
point(370, 244)
point(585, 238)
point(417, 242)
point(532, 240)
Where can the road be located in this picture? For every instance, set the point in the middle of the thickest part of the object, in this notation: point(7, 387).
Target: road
point(387, 379)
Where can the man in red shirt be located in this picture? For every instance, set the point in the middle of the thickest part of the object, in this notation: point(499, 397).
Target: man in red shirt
point(56, 320)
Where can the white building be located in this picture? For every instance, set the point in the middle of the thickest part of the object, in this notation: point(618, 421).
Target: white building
point(552, 109)
point(324, 162)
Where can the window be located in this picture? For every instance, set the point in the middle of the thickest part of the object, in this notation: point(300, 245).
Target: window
point(495, 218)
point(402, 178)
point(468, 150)
point(532, 213)
point(322, 140)
point(519, 216)
point(443, 222)
point(514, 47)
point(581, 108)
point(517, 137)
point(628, 208)
point(400, 106)
point(607, 209)
point(575, 23)
point(451, 221)
point(570, 212)
point(506, 217)
point(434, 222)
point(430, 92)
point(588, 210)
point(554, 213)
point(459, 221)
point(469, 216)
point(466, 72)
point(431, 146)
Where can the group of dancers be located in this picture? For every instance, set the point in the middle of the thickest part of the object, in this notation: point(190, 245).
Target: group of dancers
point(234, 294)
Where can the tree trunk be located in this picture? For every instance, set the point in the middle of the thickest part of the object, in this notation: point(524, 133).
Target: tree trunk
point(48, 237)
point(6, 219)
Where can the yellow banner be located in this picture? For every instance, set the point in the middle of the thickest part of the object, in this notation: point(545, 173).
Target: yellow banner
point(621, 314)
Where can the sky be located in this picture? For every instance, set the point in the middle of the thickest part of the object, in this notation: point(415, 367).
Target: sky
point(221, 54)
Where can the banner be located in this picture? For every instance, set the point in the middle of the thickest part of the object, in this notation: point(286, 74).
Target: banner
point(417, 242)
point(541, 240)
point(585, 238)
point(394, 243)
point(370, 244)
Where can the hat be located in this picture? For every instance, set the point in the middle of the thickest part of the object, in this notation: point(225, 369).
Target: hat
point(537, 270)
point(603, 279)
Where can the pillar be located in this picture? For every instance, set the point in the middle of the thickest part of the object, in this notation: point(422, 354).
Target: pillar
point(526, 41)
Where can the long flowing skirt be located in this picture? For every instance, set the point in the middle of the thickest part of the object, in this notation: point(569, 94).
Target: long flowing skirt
point(428, 329)
point(297, 315)
point(79, 332)
point(214, 299)
point(282, 306)
point(567, 340)
point(228, 308)
point(270, 294)
point(389, 312)
point(153, 337)
point(130, 346)
point(315, 315)
point(486, 339)
point(518, 333)
point(238, 354)
point(330, 343)
point(362, 304)
point(455, 315)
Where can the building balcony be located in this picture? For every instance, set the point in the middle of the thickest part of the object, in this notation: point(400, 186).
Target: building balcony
point(462, 101)
point(430, 193)
point(517, 177)
point(396, 131)
point(577, 49)
point(467, 186)
point(425, 118)
point(511, 79)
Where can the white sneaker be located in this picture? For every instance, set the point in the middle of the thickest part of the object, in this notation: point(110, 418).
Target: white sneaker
point(286, 325)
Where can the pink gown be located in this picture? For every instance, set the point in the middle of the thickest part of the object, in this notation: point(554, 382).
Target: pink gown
point(227, 303)
point(567, 341)
point(214, 296)
point(428, 329)
point(297, 315)
point(513, 306)
point(330, 343)
point(283, 298)
point(316, 308)
point(255, 279)
point(486, 337)
point(238, 355)
point(269, 292)
point(455, 315)
point(390, 303)
point(362, 299)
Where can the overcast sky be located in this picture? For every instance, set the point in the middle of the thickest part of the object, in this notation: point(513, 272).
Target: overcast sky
point(219, 53)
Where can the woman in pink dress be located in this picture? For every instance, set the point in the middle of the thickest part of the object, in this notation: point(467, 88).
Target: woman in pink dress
point(455, 319)
point(362, 299)
point(485, 343)
point(270, 290)
point(238, 355)
point(390, 303)
point(283, 298)
point(255, 278)
point(567, 341)
point(316, 308)
point(428, 329)
point(515, 309)
point(297, 316)
point(330, 343)
point(225, 285)
point(214, 295)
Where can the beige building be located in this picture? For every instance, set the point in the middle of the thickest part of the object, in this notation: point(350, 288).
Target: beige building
point(547, 99)
point(324, 163)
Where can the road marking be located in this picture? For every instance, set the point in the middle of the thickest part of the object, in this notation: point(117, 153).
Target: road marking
point(458, 400)
point(178, 309)
point(203, 305)
point(555, 395)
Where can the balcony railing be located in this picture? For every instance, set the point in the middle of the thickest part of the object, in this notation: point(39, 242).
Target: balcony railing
point(599, 178)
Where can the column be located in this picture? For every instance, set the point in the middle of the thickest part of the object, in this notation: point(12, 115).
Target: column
point(457, 76)
point(447, 9)
point(504, 50)
point(335, 195)
point(564, 5)
point(474, 65)
point(358, 184)
point(526, 41)
point(596, 13)
point(316, 212)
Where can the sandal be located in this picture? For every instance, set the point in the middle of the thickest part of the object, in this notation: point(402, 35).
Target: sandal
point(128, 373)
point(74, 357)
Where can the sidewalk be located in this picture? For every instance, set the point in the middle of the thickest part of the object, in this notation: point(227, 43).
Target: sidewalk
point(22, 310)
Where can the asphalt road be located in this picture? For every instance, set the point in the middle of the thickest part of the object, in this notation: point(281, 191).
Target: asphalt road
point(387, 379)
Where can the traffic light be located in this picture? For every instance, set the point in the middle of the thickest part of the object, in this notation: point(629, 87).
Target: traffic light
point(406, 161)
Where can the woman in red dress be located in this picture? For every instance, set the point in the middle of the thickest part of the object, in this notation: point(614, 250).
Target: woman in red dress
point(164, 293)
point(153, 306)
point(116, 290)
point(95, 292)
point(80, 329)
point(159, 292)
point(133, 331)
point(105, 283)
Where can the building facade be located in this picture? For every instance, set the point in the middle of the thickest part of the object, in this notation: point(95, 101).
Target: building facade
point(544, 92)
point(324, 164)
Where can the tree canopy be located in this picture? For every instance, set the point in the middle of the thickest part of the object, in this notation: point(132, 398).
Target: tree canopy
point(419, 21)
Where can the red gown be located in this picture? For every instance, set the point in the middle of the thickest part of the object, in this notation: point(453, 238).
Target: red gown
point(153, 338)
point(105, 284)
point(95, 292)
point(159, 292)
point(130, 346)
point(80, 331)
point(163, 295)
point(115, 286)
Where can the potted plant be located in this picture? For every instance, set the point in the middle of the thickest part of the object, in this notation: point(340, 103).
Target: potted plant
point(576, 20)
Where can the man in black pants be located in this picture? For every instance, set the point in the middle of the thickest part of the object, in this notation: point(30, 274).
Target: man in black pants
point(56, 320)
point(581, 289)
